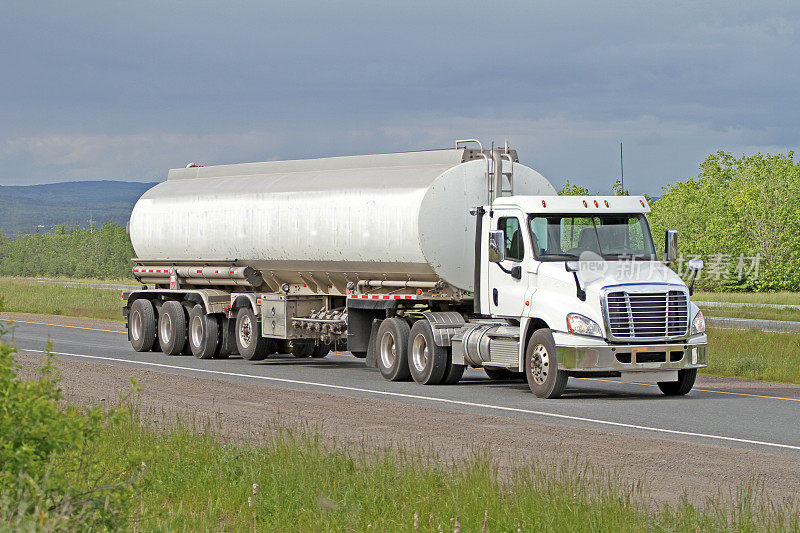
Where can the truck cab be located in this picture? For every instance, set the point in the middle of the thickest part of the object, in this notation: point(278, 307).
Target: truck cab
point(579, 278)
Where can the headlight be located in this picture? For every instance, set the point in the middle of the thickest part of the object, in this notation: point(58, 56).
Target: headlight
point(699, 323)
point(583, 326)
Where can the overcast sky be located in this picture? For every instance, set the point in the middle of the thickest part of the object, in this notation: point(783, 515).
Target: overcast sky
point(127, 90)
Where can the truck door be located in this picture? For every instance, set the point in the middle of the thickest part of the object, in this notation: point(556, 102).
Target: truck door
point(506, 293)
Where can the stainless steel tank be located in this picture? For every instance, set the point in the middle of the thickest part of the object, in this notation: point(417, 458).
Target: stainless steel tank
point(398, 216)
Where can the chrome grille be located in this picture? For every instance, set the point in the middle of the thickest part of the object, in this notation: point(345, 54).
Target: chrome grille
point(647, 315)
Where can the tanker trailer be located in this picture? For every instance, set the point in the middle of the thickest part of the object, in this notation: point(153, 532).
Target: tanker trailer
point(388, 256)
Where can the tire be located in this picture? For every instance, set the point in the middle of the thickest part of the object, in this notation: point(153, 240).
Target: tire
point(503, 374)
point(426, 361)
point(142, 325)
point(454, 373)
point(227, 341)
point(682, 386)
point(320, 351)
point(172, 328)
point(251, 345)
point(541, 366)
point(301, 348)
point(203, 333)
point(392, 349)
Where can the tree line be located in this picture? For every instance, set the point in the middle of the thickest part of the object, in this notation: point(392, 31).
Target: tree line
point(69, 251)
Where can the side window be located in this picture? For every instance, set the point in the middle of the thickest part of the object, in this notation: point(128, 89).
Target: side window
point(515, 248)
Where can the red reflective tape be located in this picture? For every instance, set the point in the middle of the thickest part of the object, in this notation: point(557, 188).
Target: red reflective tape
point(386, 297)
point(199, 271)
point(231, 272)
point(151, 270)
point(376, 297)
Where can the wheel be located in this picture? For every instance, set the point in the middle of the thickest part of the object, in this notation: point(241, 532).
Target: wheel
point(301, 348)
point(227, 342)
point(142, 325)
point(454, 373)
point(203, 333)
point(172, 328)
point(320, 351)
point(251, 345)
point(427, 361)
point(682, 386)
point(503, 374)
point(393, 349)
point(541, 366)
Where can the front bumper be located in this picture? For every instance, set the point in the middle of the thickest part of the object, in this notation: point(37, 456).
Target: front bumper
point(580, 353)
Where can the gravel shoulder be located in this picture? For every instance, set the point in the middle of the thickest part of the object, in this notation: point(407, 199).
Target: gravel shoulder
point(250, 412)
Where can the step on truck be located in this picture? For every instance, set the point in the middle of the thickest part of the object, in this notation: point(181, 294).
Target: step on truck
point(422, 263)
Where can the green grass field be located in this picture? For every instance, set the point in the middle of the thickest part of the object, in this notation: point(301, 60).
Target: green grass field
point(764, 313)
point(791, 298)
point(192, 482)
point(24, 296)
point(754, 355)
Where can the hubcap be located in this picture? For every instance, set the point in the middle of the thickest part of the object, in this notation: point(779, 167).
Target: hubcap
point(540, 364)
point(388, 350)
point(245, 331)
point(197, 331)
point(136, 326)
point(166, 328)
point(419, 353)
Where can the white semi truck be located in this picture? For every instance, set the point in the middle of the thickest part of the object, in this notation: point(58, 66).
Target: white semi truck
point(423, 263)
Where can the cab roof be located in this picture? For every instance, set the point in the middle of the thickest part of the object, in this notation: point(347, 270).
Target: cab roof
point(594, 205)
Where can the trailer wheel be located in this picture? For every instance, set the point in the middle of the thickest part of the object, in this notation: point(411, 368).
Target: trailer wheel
point(541, 366)
point(251, 345)
point(320, 350)
point(427, 361)
point(392, 348)
point(682, 386)
point(203, 333)
point(172, 328)
point(142, 325)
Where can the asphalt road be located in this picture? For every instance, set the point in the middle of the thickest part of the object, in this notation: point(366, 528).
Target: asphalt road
point(728, 413)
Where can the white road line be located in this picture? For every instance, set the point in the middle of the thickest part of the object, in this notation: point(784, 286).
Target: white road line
point(432, 399)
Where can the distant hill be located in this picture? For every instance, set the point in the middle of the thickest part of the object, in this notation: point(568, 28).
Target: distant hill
point(23, 208)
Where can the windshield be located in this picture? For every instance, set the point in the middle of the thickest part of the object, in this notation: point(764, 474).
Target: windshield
point(565, 237)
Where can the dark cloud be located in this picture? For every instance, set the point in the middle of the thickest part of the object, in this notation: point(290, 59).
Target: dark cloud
point(127, 90)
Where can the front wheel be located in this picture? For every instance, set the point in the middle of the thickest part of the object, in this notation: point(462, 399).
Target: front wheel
point(682, 386)
point(541, 366)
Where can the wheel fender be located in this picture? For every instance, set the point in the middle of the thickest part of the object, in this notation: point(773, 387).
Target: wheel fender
point(444, 325)
point(527, 326)
point(245, 300)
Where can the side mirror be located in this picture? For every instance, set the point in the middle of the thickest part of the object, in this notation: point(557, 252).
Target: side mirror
point(695, 264)
point(497, 246)
point(671, 246)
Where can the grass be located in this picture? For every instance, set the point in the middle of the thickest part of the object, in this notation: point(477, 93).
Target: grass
point(764, 313)
point(23, 296)
point(785, 297)
point(295, 482)
point(754, 354)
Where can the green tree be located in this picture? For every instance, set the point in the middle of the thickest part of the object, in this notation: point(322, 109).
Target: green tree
point(568, 189)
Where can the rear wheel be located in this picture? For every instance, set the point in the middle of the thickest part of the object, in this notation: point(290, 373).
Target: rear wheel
point(142, 325)
point(227, 343)
point(682, 386)
point(301, 348)
point(203, 333)
point(320, 350)
point(392, 348)
point(251, 345)
point(427, 361)
point(541, 366)
point(172, 328)
point(454, 373)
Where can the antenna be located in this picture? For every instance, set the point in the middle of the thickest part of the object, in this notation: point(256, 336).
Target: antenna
point(621, 168)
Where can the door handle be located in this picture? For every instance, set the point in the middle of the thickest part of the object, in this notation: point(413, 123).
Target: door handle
point(494, 296)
